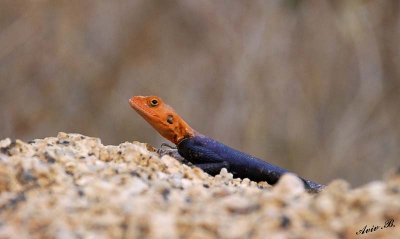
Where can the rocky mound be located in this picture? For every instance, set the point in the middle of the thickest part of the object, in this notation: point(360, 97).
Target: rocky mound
point(72, 186)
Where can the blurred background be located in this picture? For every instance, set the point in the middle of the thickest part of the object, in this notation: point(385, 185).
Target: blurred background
point(313, 86)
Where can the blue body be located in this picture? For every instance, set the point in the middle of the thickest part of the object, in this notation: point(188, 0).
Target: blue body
point(204, 152)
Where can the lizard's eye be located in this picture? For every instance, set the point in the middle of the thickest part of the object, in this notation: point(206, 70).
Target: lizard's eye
point(170, 119)
point(153, 102)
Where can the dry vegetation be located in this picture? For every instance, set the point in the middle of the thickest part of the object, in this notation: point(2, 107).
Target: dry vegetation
point(310, 85)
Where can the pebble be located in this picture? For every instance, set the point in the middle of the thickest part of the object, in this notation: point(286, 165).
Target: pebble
point(73, 186)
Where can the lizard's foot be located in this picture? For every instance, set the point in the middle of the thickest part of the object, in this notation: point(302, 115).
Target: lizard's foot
point(172, 151)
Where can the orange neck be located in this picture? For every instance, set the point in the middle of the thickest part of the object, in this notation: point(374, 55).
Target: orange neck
point(162, 117)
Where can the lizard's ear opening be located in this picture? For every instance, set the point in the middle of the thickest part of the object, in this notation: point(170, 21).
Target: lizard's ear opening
point(170, 119)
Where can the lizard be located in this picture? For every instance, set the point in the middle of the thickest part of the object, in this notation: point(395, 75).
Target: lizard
point(204, 152)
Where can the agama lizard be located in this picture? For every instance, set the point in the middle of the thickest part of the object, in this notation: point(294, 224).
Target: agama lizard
point(204, 152)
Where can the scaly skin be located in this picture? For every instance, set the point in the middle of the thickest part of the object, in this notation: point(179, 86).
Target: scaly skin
point(162, 117)
point(204, 152)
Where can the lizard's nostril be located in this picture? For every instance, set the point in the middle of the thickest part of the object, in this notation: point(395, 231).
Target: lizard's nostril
point(131, 102)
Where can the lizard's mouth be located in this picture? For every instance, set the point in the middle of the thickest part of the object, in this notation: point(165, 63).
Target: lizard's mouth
point(137, 104)
point(134, 104)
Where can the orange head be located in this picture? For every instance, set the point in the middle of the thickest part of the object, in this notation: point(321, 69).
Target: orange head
point(162, 117)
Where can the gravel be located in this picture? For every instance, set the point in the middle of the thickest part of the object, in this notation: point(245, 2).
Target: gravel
point(72, 186)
